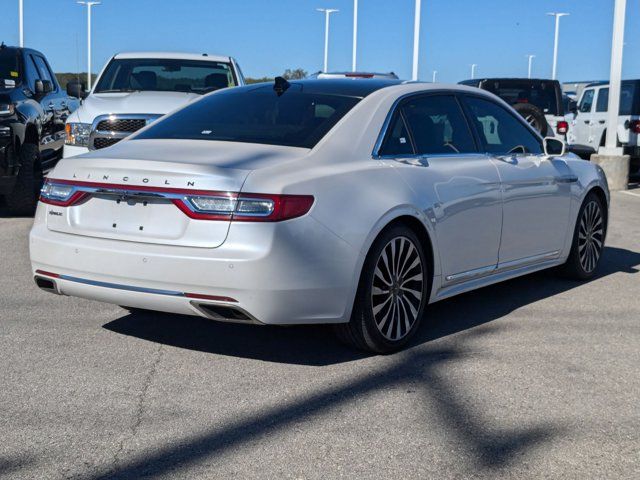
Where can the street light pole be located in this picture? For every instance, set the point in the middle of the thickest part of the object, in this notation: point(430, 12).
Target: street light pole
point(327, 12)
point(21, 21)
point(615, 78)
point(355, 35)
point(555, 41)
point(89, 4)
point(530, 57)
point(473, 70)
point(416, 40)
point(435, 73)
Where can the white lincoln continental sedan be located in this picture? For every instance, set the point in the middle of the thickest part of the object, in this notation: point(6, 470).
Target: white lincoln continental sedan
point(348, 202)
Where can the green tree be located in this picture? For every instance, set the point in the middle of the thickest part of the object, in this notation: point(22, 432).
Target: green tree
point(296, 74)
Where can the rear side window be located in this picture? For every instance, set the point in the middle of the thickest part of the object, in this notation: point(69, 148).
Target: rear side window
point(500, 132)
point(437, 125)
point(256, 115)
point(586, 101)
point(397, 141)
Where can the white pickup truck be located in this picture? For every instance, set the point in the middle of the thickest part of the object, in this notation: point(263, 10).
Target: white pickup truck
point(134, 89)
point(589, 125)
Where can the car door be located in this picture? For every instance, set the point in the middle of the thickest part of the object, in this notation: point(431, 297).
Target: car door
point(536, 190)
point(54, 103)
point(581, 127)
point(433, 149)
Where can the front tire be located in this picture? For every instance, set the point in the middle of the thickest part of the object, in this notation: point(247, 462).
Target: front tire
point(588, 240)
point(24, 197)
point(392, 294)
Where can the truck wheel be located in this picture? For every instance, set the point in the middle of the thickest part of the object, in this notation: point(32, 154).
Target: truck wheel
point(24, 197)
point(534, 117)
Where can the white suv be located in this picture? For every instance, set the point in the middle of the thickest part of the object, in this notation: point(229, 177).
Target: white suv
point(136, 88)
point(589, 126)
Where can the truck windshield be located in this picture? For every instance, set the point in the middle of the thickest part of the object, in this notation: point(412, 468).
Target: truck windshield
point(541, 94)
point(256, 115)
point(165, 75)
point(8, 67)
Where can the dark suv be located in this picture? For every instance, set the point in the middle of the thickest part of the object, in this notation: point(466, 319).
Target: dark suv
point(539, 101)
point(33, 110)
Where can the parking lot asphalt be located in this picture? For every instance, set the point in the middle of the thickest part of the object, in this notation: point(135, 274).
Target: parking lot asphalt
point(534, 378)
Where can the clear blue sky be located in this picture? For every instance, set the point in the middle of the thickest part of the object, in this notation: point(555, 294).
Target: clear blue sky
point(268, 36)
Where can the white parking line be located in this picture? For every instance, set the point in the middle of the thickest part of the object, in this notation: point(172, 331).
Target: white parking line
point(630, 193)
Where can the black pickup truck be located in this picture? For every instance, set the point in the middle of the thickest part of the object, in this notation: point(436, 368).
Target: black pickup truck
point(33, 110)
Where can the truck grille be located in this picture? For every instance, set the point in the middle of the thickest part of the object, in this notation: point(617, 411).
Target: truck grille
point(108, 130)
point(122, 124)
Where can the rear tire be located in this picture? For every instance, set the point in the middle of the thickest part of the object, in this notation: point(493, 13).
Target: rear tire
point(24, 197)
point(392, 294)
point(533, 116)
point(588, 240)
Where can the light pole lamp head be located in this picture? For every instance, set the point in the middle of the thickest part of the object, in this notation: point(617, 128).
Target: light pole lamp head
point(327, 10)
point(556, 14)
point(88, 3)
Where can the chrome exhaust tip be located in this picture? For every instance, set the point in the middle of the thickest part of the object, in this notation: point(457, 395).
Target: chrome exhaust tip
point(47, 285)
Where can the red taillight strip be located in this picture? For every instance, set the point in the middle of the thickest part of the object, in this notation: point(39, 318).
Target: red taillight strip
point(47, 274)
point(140, 188)
point(286, 207)
point(215, 298)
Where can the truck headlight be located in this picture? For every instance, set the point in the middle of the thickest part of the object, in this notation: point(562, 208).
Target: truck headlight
point(77, 134)
point(6, 109)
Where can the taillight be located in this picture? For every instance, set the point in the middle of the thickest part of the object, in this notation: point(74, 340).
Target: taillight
point(562, 127)
point(245, 207)
point(634, 126)
point(196, 204)
point(60, 195)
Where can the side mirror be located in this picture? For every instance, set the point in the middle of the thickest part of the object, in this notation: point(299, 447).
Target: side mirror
point(48, 86)
point(554, 147)
point(76, 90)
point(39, 87)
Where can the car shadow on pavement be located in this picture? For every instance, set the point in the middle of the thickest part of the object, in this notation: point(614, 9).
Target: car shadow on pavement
point(489, 447)
point(316, 345)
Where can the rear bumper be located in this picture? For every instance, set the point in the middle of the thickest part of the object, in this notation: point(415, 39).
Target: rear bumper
point(294, 272)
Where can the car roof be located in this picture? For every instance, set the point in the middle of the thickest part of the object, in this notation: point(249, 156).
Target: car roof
point(504, 79)
point(173, 56)
point(350, 87)
point(606, 82)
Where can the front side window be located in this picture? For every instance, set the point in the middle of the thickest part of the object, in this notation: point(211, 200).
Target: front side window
point(501, 133)
point(586, 101)
point(256, 115)
point(165, 75)
point(31, 72)
point(602, 104)
point(43, 70)
point(437, 125)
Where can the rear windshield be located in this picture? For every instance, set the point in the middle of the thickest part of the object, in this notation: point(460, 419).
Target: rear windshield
point(541, 94)
point(165, 75)
point(295, 119)
point(8, 68)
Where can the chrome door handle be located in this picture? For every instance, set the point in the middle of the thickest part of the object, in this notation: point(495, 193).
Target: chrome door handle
point(51, 105)
point(64, 104)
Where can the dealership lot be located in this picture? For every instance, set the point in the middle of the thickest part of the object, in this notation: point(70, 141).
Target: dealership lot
point(536, 377)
